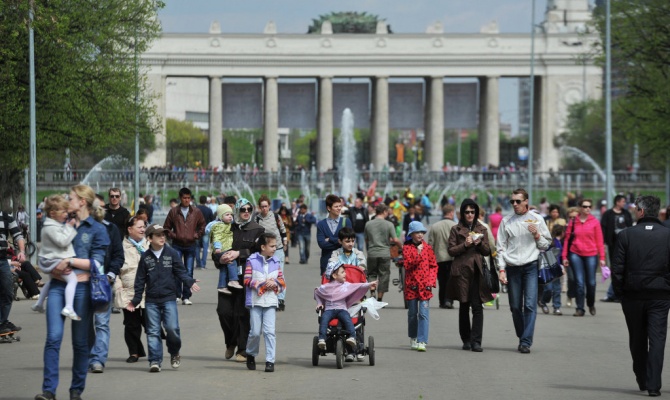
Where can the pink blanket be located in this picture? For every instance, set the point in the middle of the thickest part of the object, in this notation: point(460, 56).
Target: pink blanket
point(345, 293)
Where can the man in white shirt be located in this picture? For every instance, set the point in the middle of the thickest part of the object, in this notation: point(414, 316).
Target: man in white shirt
point(521, 236)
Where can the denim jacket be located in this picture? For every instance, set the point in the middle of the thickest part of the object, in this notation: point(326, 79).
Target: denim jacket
point(91, 241)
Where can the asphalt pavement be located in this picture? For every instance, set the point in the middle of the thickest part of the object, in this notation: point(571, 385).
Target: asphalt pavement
point(585, 358)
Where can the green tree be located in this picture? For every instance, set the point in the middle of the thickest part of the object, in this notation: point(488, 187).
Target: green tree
point(85, 80)
point(242, 148)
point(185, 143)
point(348, 22)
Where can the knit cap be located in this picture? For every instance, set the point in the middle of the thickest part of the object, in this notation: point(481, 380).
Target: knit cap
point(222, 210)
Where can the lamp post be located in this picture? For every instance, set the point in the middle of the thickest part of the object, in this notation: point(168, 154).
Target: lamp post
point(33, 136)
point(137, 127)
point(609, 192)
point(532, 105)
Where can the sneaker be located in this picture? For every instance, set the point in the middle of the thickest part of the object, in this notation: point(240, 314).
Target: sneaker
point(45, 396)
point(116, 310)
point(35, 297)
point(175, 361)
point(224, 290)
point(413, 344)
point(75, 394)
point(269, 367)
point(349, 358)
point(421, 346)
point(592, 310)
point(37, 308)
point(322, 344)
point(281, 306)
point(545, 308)
point(557, 311)
point(235, 285)
point(96, 368)
point(360, 357)
point(240, 358)
point(70, 314)
point(569, 302)
point(578, 313)
point(351, 341)
point(155, 367)
point(251, 363)
point(12, 327)
point(187, 302)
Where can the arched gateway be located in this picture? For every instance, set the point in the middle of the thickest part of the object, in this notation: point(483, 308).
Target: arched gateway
point(563, 76)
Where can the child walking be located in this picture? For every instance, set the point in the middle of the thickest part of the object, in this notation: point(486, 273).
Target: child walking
point(265, 281)
point(57, 236)
point(158, 273)
point(335, 297)
point(420, 278)
point(221, 237)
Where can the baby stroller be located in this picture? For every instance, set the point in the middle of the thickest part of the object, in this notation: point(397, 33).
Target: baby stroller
point(336, 334)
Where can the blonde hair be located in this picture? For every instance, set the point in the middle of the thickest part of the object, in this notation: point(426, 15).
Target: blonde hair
point(93, 204)
point(55, 202)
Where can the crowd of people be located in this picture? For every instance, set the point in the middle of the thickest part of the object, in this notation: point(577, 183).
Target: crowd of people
point(150, 267)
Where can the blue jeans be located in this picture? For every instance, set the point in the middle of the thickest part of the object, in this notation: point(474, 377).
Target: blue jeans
point(585, 275)
point(188, 254)
point(6, 290)
point(55, 328)
point(418, 318)
point(165, 313)
point(279, 255)
point(100, 337)
point(552, 291)
point(227, 273)
point(202, 250)
point(343, 316)
point(262, 317)
point(304, 241)
point(360, 241)
point(522, 292)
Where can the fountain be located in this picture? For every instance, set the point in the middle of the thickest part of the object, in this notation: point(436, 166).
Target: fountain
point(99, 170)
point(347, 161)
point(585, 157)
point(282, 194)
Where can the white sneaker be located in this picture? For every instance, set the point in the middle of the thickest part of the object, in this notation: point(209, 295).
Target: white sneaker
point(224, 290)
point(37, 307)
point(322, 344)
point(351, 341)
point(360, 357)
point(349, 358)
point(155, 368)
point(421, 346)
point(235, 285)
point(187, 302)
point(413, 344)
point(70, 314)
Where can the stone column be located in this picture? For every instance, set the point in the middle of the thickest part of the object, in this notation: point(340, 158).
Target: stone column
point(379, 142)
point(324, 139)
point(489, 121)
point(157, 86)
point(270, 125)
point(215, 122)
point(434, 144)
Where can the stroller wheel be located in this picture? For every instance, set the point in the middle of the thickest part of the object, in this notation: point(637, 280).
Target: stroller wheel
point(315, 351)
point(371, 350)
point(339, 354)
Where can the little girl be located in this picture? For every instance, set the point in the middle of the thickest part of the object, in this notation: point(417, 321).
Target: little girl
point(57, 237)
point(335, 297)
point(420, 278)
point(221, 238)
point(265, 281)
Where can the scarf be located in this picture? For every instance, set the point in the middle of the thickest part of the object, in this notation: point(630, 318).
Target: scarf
point(139, 246)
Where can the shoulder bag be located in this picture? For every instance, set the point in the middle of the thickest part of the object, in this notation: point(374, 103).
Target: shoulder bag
point(101, 291)
point(550, 268)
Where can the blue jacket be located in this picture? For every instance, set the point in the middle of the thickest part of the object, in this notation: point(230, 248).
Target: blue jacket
point(91, 241)
point(303, 224)
point(323, 233)
point(159, 276)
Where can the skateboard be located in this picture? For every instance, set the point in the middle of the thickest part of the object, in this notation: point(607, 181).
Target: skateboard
point(9, 337)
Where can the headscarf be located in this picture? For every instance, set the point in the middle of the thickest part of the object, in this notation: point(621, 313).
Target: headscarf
point(239, 204)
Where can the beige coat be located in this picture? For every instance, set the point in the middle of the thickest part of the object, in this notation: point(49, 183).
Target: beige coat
point(124, 286)
point(438, 238)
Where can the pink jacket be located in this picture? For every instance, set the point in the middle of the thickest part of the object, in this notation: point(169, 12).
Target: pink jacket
point(588, 239)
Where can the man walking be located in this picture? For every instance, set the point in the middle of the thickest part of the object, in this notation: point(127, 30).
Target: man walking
point(639, 276)
point(328, 228)
point(438, 238)
point(115, 212)
point(203, 242)
point(303, 229)
point(359, 217)
point(379, 234)
point(8, 227)
point(521, 236)
point(185, 225)
point(612, 222)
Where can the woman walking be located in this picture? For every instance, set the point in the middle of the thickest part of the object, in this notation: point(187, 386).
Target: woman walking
point(469, 244)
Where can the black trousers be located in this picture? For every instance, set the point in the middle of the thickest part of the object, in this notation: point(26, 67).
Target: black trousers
point(234, 320)
point(133, 323)
point(647, 322)
point(472, 333)
point(443, 272)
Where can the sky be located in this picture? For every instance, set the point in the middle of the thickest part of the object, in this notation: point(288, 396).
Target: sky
point(404, 16)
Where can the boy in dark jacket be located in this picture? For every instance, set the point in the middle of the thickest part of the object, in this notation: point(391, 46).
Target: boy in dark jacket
point(158, 272)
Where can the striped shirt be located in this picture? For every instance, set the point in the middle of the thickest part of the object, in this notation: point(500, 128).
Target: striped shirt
point(8, 226)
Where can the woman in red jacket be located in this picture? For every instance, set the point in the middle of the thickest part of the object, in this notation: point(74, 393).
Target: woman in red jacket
point(584, 246)
point(420, 278)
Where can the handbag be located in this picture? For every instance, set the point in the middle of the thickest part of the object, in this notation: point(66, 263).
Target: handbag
point(490, 276)
point(101, 291)
point(550, 268)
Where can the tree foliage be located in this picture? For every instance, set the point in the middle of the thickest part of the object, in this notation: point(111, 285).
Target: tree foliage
point(348, 22)
point(84, 75)
point(641, 66)
point(185, 143)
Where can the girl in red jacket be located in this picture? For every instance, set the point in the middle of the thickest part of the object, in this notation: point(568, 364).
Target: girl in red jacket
point(420, 278)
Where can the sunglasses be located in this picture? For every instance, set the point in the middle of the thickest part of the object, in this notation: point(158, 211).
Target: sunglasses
point(114, 196)
point(469, 212)
point(516, 201)
point(586, 206)
point(246, 209)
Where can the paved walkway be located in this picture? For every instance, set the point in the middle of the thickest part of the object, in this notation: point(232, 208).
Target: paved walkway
point(585, 358)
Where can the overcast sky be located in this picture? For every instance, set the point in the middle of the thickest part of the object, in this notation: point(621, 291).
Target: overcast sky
point(404, 16)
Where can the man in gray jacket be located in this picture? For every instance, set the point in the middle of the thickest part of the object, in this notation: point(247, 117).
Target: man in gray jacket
point(438, 237)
